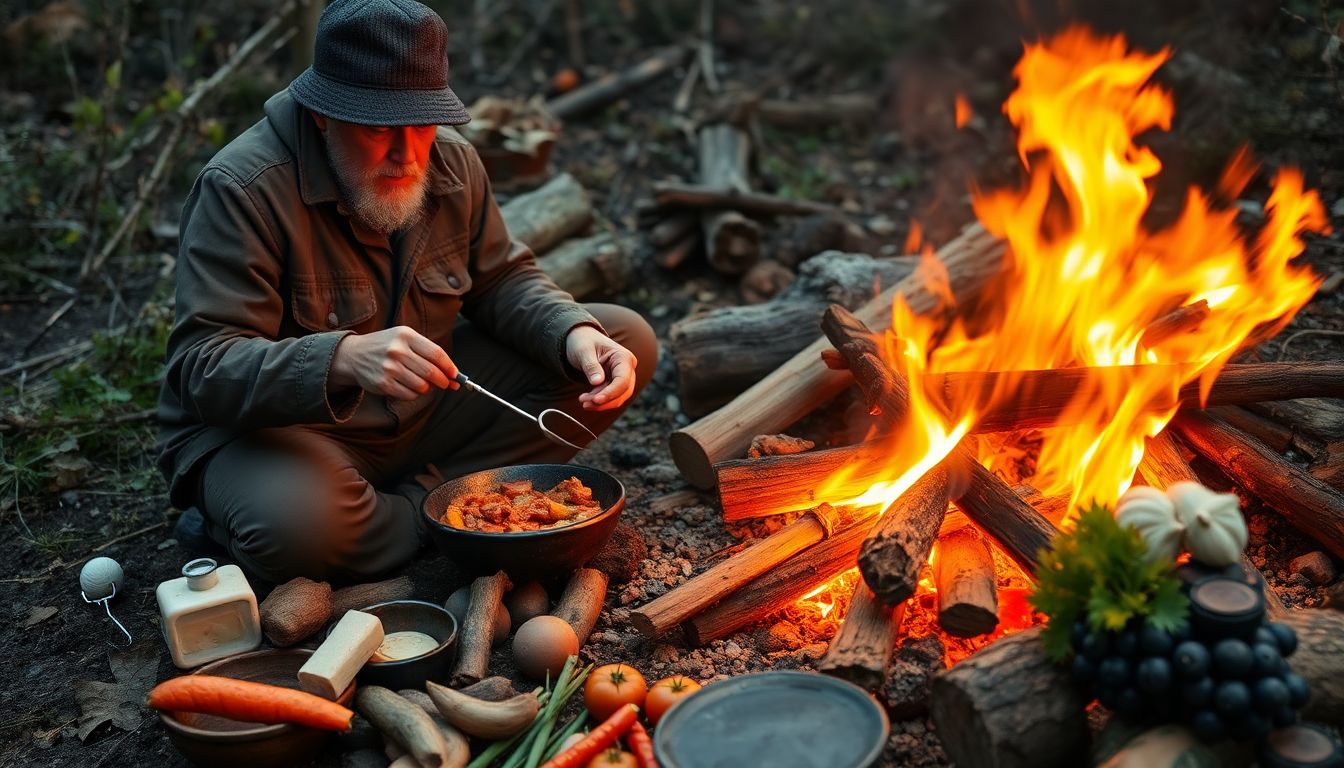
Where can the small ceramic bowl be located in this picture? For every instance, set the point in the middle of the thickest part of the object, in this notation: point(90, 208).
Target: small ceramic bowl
point(218, 742)
point(413, 616)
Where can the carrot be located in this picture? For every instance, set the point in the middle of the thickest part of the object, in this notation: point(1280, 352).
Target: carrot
point(599, 738)
point(641, 745)
point(248, 701)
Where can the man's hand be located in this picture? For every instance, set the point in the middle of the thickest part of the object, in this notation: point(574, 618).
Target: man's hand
point(609, 367)
point(397, 362)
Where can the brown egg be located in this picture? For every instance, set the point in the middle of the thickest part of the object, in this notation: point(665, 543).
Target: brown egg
point(542, 645)
point(457, 603)
point(527, 602)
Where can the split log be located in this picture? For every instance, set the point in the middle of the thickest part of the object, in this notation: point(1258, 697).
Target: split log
point(1315, 422)
point(1267, 431)
point(609, 88)
point(1021, 531)
point(861, 650)
point(779, 588)
point(963, 572)
point(546, 216)
point(732, 241)
point(772, 485)
point(1320, 646)
point(1043, 398)
point(1307, 503)
point(676, 195)
point(899, 544)
point(800, 385)
point(477, 632)
point(582, 601)
point(723, 352)
point(1161, 466)
point(1009, 706)
point(672, 608)
point(591, 266)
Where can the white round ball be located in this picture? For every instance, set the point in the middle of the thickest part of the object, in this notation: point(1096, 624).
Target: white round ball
point(100, 577)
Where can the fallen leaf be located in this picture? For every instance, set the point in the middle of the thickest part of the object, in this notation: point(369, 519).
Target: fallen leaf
point(38, 614)
point(122, 702)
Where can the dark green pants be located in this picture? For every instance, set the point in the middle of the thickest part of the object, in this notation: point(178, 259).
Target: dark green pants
point(333, 505)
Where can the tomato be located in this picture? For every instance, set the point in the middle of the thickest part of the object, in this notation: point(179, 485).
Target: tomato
point(610, 686)
point(665, 693)
point(614, 758)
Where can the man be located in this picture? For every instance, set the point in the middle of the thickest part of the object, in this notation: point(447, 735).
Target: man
point(325, 256)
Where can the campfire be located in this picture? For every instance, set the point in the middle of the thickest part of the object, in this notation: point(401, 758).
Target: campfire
point(1064, 334)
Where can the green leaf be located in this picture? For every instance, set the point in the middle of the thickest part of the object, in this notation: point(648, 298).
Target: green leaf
point(113, 75)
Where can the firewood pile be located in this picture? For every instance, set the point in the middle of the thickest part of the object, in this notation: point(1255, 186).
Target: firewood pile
point(1006, 699)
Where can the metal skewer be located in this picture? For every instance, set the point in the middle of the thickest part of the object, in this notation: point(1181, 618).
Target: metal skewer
point(539, 419)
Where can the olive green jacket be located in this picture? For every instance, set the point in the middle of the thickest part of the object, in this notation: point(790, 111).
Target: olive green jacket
point(272, 273)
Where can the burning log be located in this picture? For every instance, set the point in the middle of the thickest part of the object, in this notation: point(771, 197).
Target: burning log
point(1181, 320)
point(1042, 398)
point(899, 544)
point(1307, 503)
point(1008, 705)
point(609, 88)
point(723, 352)
point(478, 628)
point(590, 266)
point(544, 217)
point(800, 385)
point(732, 241)
point(861, 650)
point(963, 572)
point(1019, 529)
point(582, 600)
point(1267, 431)
point(778, 588)
point(674, 195)
point(770, 485)
point(693, 596)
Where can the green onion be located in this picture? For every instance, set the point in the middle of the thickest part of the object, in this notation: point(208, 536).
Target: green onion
point(553, 747)
point(528, 747)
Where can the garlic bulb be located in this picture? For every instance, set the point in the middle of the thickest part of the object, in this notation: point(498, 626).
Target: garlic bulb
point(1215, 531)
point(1151, 513)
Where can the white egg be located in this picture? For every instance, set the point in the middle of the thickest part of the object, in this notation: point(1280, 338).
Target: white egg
point(100, 577)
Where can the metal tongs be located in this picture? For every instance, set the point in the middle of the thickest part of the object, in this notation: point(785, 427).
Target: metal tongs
point(553, 414)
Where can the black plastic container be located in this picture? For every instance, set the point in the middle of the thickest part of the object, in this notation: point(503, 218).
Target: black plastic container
point(1225, 606)
point(1305, 745)
point(527, 555)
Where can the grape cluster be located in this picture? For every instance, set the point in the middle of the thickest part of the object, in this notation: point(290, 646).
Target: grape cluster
point(1220, 687)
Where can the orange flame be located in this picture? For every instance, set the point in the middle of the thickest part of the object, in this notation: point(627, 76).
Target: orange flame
point(1084, 278)
point(963, 110)
point(823, 599)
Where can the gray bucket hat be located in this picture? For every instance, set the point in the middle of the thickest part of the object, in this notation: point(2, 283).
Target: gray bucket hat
point(380, 62)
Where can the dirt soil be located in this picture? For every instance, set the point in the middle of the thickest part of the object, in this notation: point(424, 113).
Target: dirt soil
point(911, 165)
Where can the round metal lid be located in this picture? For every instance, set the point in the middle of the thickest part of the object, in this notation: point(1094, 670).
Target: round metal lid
point(780, 719)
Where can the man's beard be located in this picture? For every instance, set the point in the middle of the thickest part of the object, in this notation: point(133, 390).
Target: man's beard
point(383, 212)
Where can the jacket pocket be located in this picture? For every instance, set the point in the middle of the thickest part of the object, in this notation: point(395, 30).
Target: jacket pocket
point(443, 281)
point(332, 303)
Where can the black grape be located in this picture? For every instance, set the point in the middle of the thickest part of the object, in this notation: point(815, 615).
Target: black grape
point(1198, 693)
point(1191, 660)
point(1208, 726)
point(1232, 658)
point(1271, 693)
point(1263, 634)
point(1285, 635)
point(1298, 690)
point(1154, 642)
point(1126, 643)
point(1084, 671)
point(1232, 698)
point(1079, 634)
point(1265, 659)
point(1114, 671)
point(1096, 646)
point(1154, 675)
point(1284, 717)
point(1253, 726)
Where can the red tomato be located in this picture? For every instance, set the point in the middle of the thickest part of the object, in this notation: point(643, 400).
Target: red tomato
point(610, 686)
point(614, 758)
point(665, 693)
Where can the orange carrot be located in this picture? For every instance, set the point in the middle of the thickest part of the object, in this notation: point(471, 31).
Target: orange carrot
point(641, 745)
point(248, 701)
point(599, 738)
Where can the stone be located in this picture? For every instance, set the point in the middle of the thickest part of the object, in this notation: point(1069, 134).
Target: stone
point(916, 661)
point(660, 473)
point(629, 456)
point(1315, 566)
point(621, 557)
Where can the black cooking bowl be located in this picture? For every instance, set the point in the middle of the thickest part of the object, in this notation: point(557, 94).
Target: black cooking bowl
point(527, 555)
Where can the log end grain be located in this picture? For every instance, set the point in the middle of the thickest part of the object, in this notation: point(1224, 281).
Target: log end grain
point(691, 459)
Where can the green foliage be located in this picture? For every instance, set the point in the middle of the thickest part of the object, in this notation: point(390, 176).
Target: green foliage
point(1098, 571)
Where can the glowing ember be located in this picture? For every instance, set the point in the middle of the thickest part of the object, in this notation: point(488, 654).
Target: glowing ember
point(963, 110)
point(1084, 278)
point(824, 598)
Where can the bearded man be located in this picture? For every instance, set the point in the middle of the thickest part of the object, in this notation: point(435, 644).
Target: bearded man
point(325, 256)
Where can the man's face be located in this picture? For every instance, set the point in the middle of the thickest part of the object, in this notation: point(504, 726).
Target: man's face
point(382, 171)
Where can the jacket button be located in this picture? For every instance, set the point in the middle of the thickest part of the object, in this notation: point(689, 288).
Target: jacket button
point(332, 320)
point(453, 281)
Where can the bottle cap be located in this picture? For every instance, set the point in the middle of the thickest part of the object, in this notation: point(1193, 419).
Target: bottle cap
point(201, 574)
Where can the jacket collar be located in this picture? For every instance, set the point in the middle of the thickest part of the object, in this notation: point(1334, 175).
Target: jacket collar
point(317, 182)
